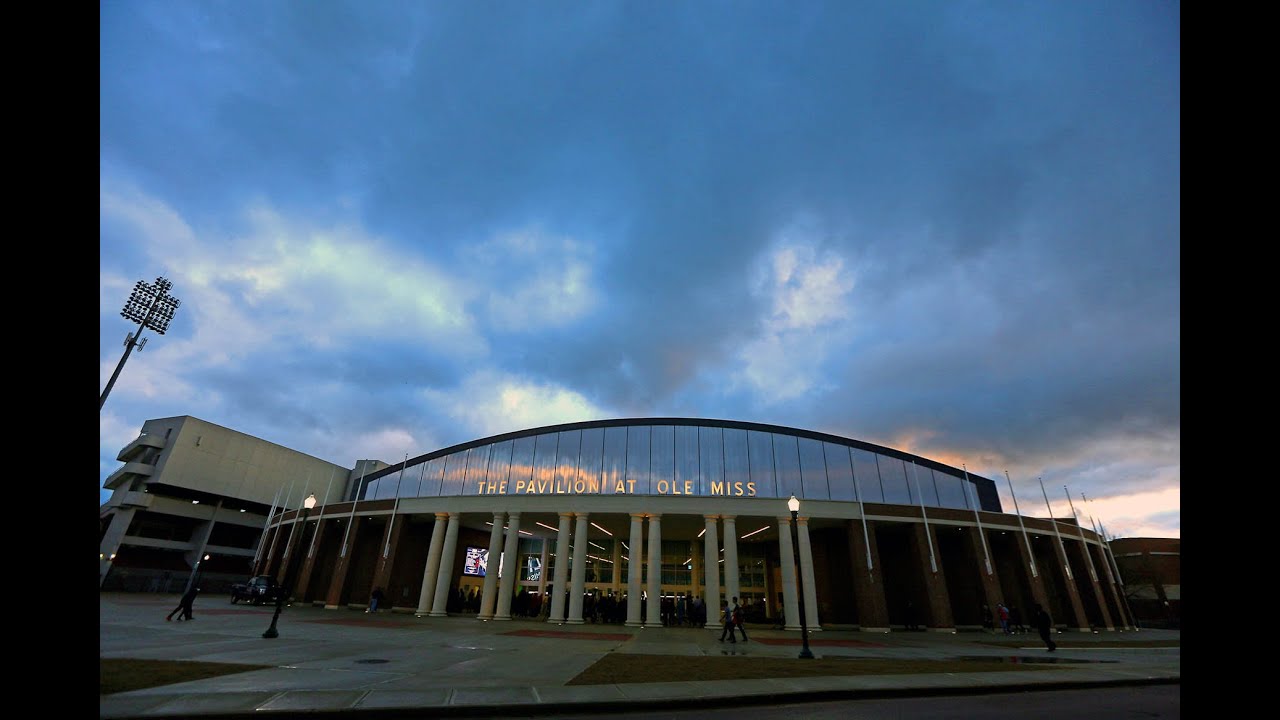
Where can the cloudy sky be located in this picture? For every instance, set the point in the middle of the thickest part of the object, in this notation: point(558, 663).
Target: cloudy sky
point(946, 227)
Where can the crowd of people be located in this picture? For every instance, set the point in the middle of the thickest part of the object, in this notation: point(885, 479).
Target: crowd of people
point(675, 610)
point(1011, 622)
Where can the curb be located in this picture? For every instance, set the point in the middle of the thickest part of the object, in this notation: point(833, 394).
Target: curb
point(564, 708)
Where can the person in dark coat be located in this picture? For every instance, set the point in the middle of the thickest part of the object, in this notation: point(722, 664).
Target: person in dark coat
point(1015, 620)
point(1044, 624)
point(183, 611)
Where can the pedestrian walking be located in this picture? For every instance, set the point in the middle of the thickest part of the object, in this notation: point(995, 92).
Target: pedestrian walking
point(1044, 624)
point(737, 619)
point(1004, 618)
point(375, 599)
point(727, 628)
point(183, 611)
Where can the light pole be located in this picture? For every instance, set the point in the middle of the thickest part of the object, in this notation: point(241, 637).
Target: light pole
point(794, 506)
point(150, 306)
point(285, 589)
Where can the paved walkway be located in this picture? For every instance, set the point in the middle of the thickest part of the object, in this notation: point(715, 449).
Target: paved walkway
point(363, 665)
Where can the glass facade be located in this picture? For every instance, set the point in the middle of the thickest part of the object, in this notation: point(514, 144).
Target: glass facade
point(951, 492)
point(638, 457)
point(839, 471)
point(893, 479)
point(786, 465)
point(922, 482)
point(866, 473)
point(813, 470)
point(700, 460)
point(760, 458)
point(499, 471)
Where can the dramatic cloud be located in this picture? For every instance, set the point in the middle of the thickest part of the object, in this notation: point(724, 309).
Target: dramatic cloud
point(948, 227)
point(808, 299)
point(489, 403)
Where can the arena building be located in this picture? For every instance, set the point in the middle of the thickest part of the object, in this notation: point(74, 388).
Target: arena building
point(1151, 569)
point(625, 516)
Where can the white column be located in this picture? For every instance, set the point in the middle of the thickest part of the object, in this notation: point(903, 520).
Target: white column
point(730, 558)
point(578, 584)
point(810, 587)
point(490, 588)
point(654, 614)
point(562, 570)
point(439, 605)
point(710, 563)
point(790, 608)
point(635, 554)
point(510, 567)
point(428, 592)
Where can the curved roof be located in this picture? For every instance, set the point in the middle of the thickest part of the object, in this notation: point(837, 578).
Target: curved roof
point(702, 454)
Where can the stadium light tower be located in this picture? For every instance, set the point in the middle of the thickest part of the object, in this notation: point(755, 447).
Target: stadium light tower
point(151, 306)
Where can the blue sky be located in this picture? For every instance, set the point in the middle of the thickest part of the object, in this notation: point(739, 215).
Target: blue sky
point(946, 227)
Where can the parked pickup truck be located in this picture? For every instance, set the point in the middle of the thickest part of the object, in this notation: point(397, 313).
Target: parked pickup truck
point(258, 590)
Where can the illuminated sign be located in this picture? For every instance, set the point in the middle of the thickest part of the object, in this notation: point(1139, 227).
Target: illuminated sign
point(557, 486)
point(477, 561)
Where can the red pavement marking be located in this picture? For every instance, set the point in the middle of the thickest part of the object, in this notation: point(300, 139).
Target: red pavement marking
point(813, 641)
point(366, 623)
point(567, 634)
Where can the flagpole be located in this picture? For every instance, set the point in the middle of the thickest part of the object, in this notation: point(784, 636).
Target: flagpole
point(386, 550)
point(311, 551)
point(294, 526)
point(1119, 578)
point(1066, 563)
point(986, 556)
point(1093, 572)
point(862, 510)
point(1102, 532)
point(933, 562)
point(1115, 564)
point(1105, 565)
point(263, 538)
point(355, 497)
point(1031, 555)
point(283, 507)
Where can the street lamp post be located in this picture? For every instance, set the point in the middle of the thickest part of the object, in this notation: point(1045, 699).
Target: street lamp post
point(150, 306)
point(287, 588)
point(794, 506)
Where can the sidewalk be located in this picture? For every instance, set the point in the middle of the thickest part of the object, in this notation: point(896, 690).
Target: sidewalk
point(366, 665)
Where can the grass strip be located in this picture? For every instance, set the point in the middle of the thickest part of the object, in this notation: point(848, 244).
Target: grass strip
point(620, 668)
point(116, 675)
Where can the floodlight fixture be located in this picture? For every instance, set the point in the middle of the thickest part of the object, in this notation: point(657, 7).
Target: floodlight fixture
point(152, 307)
